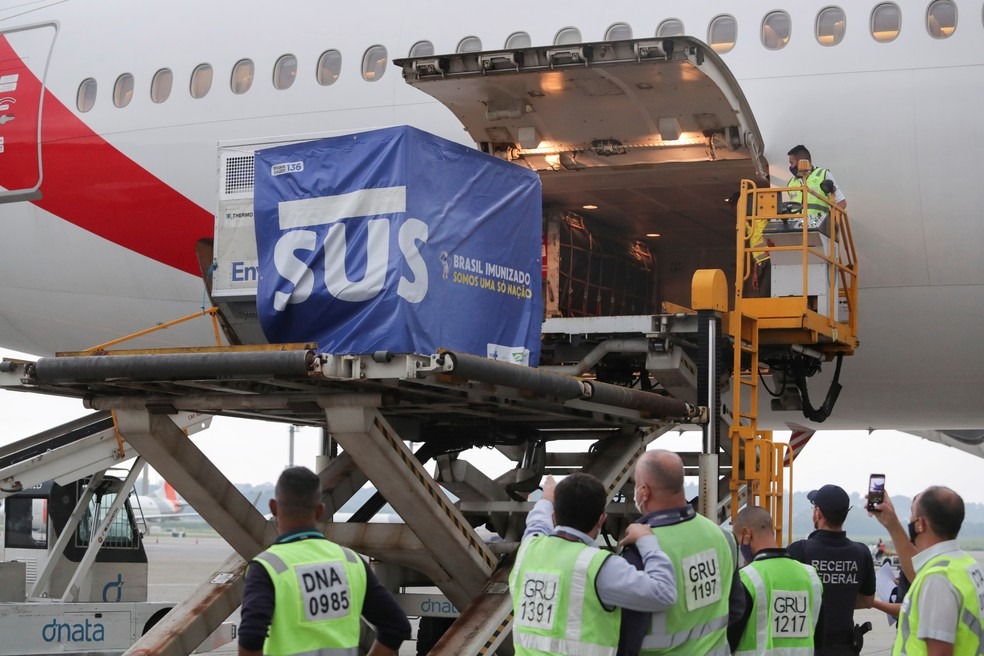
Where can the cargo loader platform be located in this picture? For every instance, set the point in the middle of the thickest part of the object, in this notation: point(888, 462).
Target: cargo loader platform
point(374, 408)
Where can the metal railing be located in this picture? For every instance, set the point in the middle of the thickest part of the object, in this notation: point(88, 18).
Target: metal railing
point(824, 239)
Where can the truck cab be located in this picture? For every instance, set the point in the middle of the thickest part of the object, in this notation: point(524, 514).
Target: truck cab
point(73, 570)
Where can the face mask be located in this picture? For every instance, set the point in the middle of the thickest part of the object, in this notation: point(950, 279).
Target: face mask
point(794, 170)
point(746, 552)
point(637, 502)
point(912, 531)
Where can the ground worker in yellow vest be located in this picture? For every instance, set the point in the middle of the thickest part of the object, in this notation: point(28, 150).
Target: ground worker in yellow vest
point(305, 594)
point(709, 594)
point(568, 594)
point(942, 612)
point(782, 595)
point(819, 180)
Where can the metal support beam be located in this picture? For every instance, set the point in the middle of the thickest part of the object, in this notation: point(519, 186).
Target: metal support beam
point(708, 329)
point(486, 622)
point(469, 483)
point(198, 480)
point(193, 620)
point(361, 430)
point(340, 480)
point(614, 456)
point(57, 551)
point(484, 625)
point(98, 536)
point(393, 544)
point(466, 481)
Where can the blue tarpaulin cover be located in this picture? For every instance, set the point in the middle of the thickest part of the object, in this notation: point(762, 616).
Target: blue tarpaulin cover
point(397, 240)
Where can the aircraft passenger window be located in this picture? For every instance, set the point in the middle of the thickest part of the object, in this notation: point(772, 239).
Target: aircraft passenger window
point(86, 96)
point(670, 27)
point(469, 44)
point(776, 28)
point(519, 40)
point(722, 33)
point(201, 81)
point(242, 76)
point(160, 86)
point(374, 63)
point(941, 19)
point(886, 22)
point(329, 67)
point(567, 36)
point(123, 90)
point(619, 32)
point(285, 72)
point(831, 25)
point(422, 49)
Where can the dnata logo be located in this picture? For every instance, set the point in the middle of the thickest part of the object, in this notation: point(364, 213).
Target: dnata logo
point(113, 591)
point(439, 605)
point(87, 631)
point(296, 215)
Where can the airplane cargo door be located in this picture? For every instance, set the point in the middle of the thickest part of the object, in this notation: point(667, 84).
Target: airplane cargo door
point(24, 56)
point(639, 143)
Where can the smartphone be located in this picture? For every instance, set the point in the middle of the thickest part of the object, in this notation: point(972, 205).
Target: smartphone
point(876, 490)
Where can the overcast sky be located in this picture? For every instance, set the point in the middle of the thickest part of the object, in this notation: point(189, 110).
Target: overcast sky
point(255, 452)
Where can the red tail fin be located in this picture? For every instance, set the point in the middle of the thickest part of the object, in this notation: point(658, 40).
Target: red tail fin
point(172, 496)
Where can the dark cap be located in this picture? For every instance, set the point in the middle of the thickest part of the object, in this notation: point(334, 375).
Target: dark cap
point(830, 498)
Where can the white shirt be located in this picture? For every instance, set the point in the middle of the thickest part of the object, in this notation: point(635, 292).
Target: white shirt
point(939, 601)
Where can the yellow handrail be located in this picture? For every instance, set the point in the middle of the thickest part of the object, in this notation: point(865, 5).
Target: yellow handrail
point(757, 461)
point(762, 205)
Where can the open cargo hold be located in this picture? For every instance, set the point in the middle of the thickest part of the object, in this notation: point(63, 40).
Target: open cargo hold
point(635, 138)
point(590, 274)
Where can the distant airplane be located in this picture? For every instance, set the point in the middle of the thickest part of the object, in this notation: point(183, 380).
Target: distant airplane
point(168, 507)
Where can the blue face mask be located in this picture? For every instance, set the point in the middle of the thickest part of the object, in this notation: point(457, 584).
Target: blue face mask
point(746, 552)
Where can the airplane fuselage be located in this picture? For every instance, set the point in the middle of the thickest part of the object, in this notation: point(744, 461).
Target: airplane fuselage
point(126, 193)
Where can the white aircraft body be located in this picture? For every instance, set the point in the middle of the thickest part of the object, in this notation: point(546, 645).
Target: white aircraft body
point(156, 508)
point(126, 192)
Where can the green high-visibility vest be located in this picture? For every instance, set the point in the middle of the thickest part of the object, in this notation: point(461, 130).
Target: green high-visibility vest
point(704, 558)
point(319, 588)
point(786, 597)
point(556, 609)
point(814, 205)
point(966, 576)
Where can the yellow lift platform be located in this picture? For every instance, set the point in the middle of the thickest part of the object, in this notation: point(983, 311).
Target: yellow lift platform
point(813, 305)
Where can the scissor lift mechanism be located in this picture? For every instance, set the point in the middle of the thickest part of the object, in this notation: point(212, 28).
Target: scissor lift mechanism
point(373, 408)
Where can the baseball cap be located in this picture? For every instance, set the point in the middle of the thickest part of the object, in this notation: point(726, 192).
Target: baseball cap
point(830, 498)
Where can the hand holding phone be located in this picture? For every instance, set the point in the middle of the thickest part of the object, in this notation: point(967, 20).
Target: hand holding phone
point(876, 490)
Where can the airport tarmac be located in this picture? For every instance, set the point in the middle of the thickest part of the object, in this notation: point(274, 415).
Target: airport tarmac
point(179, 565)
